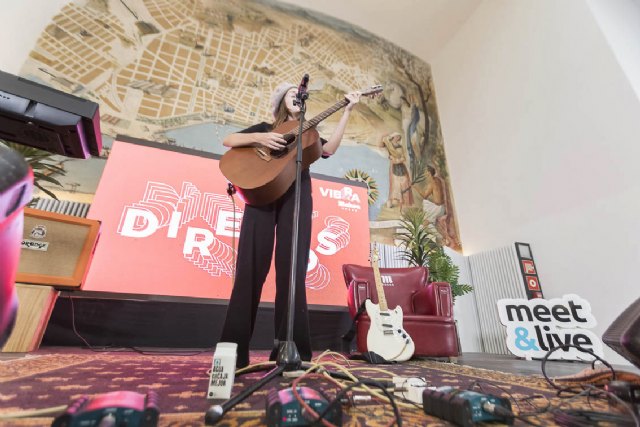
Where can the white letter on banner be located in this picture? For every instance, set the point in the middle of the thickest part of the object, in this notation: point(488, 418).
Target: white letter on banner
point(313, 260)
point(132, 215)
point(225, 225)
point(174, 224)
point(325, 245)
point(191, 242)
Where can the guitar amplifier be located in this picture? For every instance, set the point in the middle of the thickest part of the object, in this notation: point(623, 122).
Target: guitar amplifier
point(56, 249)
point(16, 186)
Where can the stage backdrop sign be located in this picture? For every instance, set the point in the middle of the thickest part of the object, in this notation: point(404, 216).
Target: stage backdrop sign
point(168, 227)
point(537, 325)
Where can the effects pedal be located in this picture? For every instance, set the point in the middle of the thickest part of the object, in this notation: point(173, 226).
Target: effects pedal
point(283, 409)
point(466, 408)
point(118, 408)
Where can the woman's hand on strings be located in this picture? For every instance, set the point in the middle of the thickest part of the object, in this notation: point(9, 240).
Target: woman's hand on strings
point(271, 140)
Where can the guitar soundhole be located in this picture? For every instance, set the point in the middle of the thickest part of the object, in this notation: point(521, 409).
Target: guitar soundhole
point(276, 154)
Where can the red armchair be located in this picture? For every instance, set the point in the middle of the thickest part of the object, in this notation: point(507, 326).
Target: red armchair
point(427, 307)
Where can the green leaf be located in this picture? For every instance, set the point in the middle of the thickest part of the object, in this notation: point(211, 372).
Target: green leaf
point(420, 248)
point(44, 190)
point(47, 178)
point(42, 164)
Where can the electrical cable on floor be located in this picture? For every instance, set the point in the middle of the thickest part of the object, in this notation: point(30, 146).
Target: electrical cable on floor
point(539, 410)
point(73, 324)
point(358, 384)
point(565, 417)
point(571, 417)
point(578, 417)
point(565, 347)
point(338, 398)
point(45, 412)
point(317, 367)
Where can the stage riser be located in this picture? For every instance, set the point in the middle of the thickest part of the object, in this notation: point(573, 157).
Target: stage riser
point(142, 323)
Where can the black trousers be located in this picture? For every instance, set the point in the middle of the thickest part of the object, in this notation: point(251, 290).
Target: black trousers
point(260, 226)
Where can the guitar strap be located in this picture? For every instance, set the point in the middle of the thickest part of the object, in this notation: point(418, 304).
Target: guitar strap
point(348, 337)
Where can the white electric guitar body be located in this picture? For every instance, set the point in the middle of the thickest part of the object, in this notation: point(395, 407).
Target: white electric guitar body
point(386, 336)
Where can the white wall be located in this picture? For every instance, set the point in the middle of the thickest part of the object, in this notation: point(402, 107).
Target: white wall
point(541, 129)
point(22, 24)
point(619, 20)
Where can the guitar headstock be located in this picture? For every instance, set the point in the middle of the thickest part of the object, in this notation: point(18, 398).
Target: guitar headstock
point(371, 91)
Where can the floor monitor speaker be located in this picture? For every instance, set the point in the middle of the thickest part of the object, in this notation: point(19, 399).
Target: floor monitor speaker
point(624, 334)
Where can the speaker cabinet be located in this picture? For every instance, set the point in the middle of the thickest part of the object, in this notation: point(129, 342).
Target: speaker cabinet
point(624, 334)
point(56, 249)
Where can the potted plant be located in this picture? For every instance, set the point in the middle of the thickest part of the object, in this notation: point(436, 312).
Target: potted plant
point(420, 248)
point(41, 163)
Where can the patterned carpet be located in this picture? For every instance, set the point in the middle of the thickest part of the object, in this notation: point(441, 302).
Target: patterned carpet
point(49, 378)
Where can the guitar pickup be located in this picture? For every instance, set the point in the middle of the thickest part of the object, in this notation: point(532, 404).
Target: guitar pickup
point(383, 313)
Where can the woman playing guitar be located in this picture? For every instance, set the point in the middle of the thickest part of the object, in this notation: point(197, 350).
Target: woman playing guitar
point(263, 224)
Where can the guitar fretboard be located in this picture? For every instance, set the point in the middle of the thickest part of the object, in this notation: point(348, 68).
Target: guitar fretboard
point(320, 117)
point(382, 300)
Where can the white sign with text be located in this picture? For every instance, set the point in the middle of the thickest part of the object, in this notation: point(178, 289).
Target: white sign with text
point(537, 325)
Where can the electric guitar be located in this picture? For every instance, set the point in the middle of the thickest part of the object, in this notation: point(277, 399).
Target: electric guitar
point(262, 175)
point(386, 337)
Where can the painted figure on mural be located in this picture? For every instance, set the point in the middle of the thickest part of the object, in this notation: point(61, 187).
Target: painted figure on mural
point(400, 194)
point(436, 204)
point(413, 127)
point(399, 98)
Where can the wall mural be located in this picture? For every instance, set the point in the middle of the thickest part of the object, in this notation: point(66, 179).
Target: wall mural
point(188, 72)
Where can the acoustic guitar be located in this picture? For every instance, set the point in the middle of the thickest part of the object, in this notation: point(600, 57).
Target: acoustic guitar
point(386, 336)
point(262, 175)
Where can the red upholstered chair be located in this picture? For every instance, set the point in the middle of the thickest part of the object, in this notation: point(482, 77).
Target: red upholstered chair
point(427, 307)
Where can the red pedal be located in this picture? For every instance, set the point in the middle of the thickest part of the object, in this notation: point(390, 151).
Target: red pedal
point(118, 408)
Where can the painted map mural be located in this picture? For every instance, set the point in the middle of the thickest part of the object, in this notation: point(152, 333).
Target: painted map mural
point(189, 72)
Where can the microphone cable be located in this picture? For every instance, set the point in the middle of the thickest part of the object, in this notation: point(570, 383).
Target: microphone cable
point(231, 190)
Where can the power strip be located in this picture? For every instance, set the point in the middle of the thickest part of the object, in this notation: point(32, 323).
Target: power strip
point(410, 389)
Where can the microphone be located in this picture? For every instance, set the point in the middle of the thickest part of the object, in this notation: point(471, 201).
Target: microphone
point(302, 89)
point(231, 189)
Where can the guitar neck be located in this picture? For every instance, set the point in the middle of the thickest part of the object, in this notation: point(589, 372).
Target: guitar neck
point(382, 300)
point(373, 90)
point(320, 117)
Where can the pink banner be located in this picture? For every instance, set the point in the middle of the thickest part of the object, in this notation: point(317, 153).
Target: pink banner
point(168, 227)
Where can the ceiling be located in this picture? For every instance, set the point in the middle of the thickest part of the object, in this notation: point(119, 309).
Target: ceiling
point(422, 27)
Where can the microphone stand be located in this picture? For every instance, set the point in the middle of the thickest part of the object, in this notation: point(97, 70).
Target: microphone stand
point(288, 358)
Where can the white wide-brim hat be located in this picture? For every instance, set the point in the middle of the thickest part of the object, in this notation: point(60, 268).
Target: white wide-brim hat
point(277, 95)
